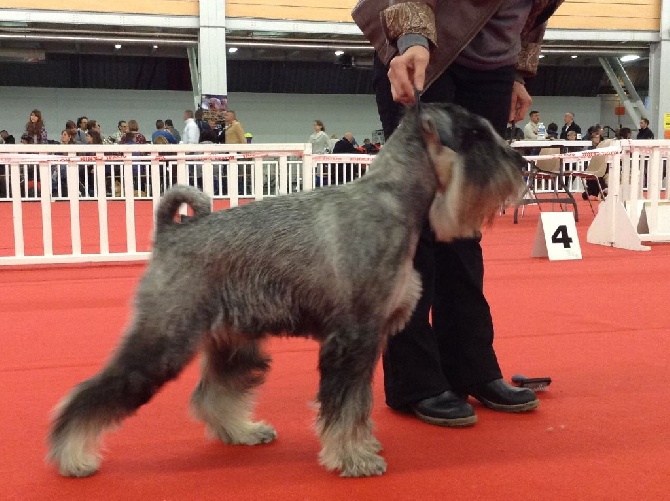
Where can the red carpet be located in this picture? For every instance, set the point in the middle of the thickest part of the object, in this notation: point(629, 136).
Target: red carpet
point(597, 326)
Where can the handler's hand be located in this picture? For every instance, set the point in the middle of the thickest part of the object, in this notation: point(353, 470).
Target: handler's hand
point(521, 102)
point(408, 72)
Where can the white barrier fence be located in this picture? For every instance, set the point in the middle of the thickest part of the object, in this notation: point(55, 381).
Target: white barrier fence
point(58, 174)
point(55, 174)
point(637, 207)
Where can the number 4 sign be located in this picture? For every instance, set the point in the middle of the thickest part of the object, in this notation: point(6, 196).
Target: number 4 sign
point(556, 237)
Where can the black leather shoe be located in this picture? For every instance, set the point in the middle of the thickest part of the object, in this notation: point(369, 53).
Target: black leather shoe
point(500, 396)
point(446, 409)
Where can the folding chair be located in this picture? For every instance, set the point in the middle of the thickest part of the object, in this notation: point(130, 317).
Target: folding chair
point(550, 169)
point(595, 171)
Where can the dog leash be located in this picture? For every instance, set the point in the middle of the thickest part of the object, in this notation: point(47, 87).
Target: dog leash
point(417, 99)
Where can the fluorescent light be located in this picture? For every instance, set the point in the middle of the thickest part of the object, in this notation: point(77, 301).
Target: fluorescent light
point(629, 57)
point(117, 46)
point(339, 52)
point(573, 57)
point(232, 50)
point(541, 56)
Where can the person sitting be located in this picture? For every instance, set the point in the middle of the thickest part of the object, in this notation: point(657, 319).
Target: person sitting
point(370, 148)
point(345, 146)
point(570, 126)
point(552, 131)
point(162, 132)
point(624, 133)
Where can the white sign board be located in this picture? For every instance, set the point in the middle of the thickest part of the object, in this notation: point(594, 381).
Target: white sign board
point(556, 237)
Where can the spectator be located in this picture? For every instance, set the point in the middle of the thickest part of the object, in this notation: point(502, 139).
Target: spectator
point(624, 133)
point(570, 125)
point(80, 135)
point(370, 148)
point(199, 120)
point(552, 131)
point(530, 129)
point(134, 129)
point(35, 128)
point(645, 132)
point(319, 139)
point(169, 126)
point(234, 130)
point(66, 137)
point(122, 129)
point(346, 144)
point(7, 137)
point(191, 133)
point(161, 132)
point(94, 137)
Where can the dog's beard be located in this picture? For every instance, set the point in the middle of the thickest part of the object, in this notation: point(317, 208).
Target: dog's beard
point(456, 211)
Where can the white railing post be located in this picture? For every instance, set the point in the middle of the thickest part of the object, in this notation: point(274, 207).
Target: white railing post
point(259, 178)
point(17, 208)
point(73, 196)
point(233, 183)
point(283, 180)
point(307, 168)
point(131, 242)
point(45, 202)
point(102, 203)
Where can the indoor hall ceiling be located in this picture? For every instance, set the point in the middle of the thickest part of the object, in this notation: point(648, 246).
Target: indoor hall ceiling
point(280, 61)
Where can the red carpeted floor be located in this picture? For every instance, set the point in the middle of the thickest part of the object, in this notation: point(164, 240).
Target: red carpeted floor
point(598, 327)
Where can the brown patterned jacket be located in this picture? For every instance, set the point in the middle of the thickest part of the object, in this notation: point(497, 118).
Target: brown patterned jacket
point(449, 25)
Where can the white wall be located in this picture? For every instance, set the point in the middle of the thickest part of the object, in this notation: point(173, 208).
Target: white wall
point(270, 117)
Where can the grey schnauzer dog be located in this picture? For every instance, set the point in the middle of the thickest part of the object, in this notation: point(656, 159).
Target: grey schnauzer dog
point(333, 264)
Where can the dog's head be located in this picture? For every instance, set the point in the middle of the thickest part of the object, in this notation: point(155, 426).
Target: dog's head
point(476, 170)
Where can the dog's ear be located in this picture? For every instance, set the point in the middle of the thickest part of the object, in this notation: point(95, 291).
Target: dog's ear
point(440, 155)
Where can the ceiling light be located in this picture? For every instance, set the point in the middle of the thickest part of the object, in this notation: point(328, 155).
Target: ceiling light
point(155, 47)
point(629, 57)
point(232, 50)
point(117, 46)
point(541, 56)
point(573, 56)
point(339, 52)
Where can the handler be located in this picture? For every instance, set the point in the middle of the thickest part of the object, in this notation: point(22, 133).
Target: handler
point(475, 54)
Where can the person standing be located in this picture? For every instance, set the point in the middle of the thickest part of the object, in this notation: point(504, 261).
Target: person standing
point(644, 132)
point(319, 139)
point(191, 134)
point(169, 126)
point(474, 54)
point(234, 131)
point(35, 128)
point(530, 129)
point(570, 126)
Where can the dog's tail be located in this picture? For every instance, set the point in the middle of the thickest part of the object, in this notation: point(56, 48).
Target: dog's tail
point(172, 200)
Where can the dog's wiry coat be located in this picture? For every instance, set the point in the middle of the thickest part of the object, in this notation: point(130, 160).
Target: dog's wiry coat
point(334, 264)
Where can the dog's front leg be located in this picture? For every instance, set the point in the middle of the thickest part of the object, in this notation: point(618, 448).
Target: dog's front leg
point(346, 361)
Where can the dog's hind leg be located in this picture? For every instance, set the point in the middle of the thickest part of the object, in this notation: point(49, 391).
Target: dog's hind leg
point(154, 351)
point(223, 397)
point(346, 361)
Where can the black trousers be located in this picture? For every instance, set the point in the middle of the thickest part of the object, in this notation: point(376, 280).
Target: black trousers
point(456, 351)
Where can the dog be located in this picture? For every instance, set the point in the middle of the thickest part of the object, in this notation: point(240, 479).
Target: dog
point(333, 264)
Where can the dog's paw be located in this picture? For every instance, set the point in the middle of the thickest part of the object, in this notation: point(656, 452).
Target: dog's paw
point(367, 465)
point(356, 463)
point(81, 465)
point(261, 433)
point(248, 433)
